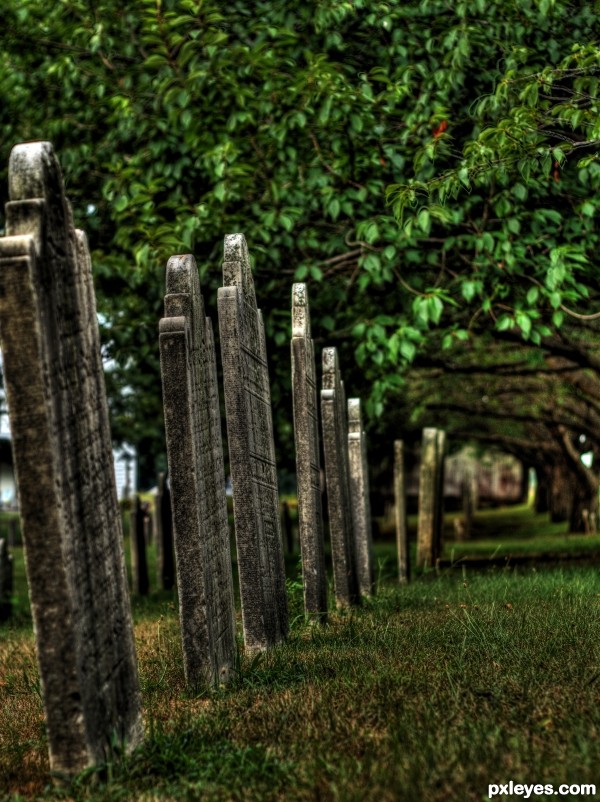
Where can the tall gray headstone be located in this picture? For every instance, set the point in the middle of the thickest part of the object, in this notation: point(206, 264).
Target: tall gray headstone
point(197, 477)
point(400, 512)
point(335, 447)
point(71, 522)
point(359, 498)
point(251, 453)
point(6, 581)
point(308, 464)
point(428, 485)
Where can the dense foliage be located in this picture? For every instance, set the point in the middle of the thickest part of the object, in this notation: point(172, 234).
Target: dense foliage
point(178, 122)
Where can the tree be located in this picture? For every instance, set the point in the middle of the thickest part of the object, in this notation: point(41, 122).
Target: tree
point(178, 122)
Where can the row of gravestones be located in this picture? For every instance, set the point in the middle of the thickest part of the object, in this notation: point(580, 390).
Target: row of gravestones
point(69, 512)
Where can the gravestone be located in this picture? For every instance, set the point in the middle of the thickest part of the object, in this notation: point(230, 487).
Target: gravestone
point(6, 581)
point(197, 478)
point(140, 581)
point(71, 522)
point(163, 525)
point(469, 499)
point(287, 527)
point(308, 464)
point(440, 454)
point(335, 447)
point(428, 504)
point(359, 498)
point(251, 453)
point(400, 512)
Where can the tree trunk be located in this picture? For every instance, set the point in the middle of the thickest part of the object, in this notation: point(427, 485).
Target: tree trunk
point(584, 512)
point(542, 493)
point(562, 483)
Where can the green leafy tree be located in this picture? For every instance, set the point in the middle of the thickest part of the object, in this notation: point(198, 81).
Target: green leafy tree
point(178, 122)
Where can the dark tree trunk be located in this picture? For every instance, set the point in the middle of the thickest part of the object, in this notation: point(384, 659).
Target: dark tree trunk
point(542, 491)
point(584, 512)
point(562, 483)
point(524, 493)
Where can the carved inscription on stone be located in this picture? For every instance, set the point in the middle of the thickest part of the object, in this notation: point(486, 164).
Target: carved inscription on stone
point(335, 447)
point(359, 498)
point(65, 478)
point(251, 453)
point(197, 477)
point(308, 468)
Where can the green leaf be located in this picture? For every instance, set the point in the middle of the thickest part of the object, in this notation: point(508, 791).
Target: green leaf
point(408, 350)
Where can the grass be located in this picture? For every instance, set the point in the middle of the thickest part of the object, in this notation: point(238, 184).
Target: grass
point(428, 692)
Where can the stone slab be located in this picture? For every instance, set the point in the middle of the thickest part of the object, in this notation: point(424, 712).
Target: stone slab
point(308, 462)
point(251, 453)
point(360, 498)
point(400, 512)
point(334, 419)
point(71, 521)
point(197, 478)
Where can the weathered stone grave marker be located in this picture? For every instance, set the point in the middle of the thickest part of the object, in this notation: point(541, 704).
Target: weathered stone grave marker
point(426, 532)
point(251, 452)
point(163, 525)
point(6, 581)
point(359, 498)
point(335, 446)
point(400, 512)
point(71, 522)
point(440, 454)
point(308, 467)
point(140, 581)
point(197, 477)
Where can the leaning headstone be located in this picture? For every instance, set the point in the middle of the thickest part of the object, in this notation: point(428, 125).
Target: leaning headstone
point(140, 580)
point(335, 446)
point(71, 522)
point(308, 464)
point(359, 498)
point(6, 581)
point(400, 510)
point(251, 453)
point(197, 477)
point(163, 525)
point(428, 476)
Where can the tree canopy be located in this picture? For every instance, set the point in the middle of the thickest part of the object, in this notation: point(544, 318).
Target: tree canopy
point(429, 168)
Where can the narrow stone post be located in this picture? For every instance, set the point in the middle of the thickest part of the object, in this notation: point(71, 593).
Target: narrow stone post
point(163, 524)
point(6, 581)
point(287, 526)
point(140, 582)
point(359, 498)
point(308, 464)
point(400, 512)
point(426, 532)
point(469, 499)
point(197, 477)
point(440, 455)
point(70, 517)
point(251, 453)
point(335, 447)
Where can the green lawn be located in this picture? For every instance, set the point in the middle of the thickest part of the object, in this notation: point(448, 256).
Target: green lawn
point(431, 691)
